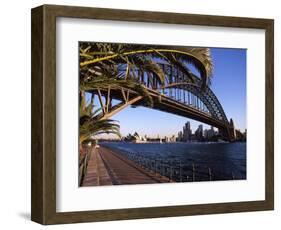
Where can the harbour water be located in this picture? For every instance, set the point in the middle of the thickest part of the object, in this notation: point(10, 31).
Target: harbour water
point(190, 161)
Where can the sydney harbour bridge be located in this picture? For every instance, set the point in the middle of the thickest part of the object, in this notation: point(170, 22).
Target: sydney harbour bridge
point(177, 95)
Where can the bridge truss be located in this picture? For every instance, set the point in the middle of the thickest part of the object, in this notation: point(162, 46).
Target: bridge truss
point(179, 94)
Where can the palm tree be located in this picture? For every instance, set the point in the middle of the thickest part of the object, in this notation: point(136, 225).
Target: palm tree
point(95, 56)
point(89, 126)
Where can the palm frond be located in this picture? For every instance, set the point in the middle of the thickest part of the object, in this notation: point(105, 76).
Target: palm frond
point(200, 58)
point(94, 127)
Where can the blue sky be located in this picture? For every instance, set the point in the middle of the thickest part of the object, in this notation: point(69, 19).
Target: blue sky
point(228, 84)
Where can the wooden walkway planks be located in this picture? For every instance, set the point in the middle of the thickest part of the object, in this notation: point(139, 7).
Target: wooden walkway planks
point(106, 167)
point(124, 171)
point(96, 172)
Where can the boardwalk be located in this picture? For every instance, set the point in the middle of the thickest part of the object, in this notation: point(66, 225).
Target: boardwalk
point(107, 167)
point(96, 172)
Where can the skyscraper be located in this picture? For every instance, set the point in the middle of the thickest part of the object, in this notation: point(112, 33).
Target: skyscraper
point(187, 132)
point(199, 133)
point(180, 136)
point(209, 133)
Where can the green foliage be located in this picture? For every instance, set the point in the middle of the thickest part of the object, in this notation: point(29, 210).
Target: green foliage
point(141, 57)
point(90, 126)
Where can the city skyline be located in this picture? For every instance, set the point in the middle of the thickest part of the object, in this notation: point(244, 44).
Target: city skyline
point(229, 76)
point(185, 134)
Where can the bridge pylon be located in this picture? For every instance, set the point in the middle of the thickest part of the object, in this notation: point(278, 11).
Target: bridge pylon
point(229, 132)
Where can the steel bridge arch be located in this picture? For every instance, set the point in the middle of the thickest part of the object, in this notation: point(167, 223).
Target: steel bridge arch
point(207, 97)
point(177, 80)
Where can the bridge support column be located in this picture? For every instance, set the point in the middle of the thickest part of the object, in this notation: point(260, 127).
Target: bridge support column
point(232, 129)
point(229, 133)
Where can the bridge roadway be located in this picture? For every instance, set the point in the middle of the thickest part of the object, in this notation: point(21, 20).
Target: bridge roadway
point(106, 167)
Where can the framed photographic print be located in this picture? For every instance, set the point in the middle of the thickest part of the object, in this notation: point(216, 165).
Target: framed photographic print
point(140, 114)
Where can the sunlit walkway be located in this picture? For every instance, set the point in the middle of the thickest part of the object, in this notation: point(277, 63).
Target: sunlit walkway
point(96, 172)
point(106, 167)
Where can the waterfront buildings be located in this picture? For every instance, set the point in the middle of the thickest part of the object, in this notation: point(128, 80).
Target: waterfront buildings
point(209, 133)
point(136, 138)
point(200, 134)
point(205, 135)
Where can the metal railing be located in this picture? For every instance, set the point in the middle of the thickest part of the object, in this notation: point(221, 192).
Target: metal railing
point(83, 164)
point(174, 170)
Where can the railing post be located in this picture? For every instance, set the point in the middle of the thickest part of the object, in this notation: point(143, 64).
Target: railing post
point(171, 172)
point(193, 172)
point(210, 174)
point(180, 172)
